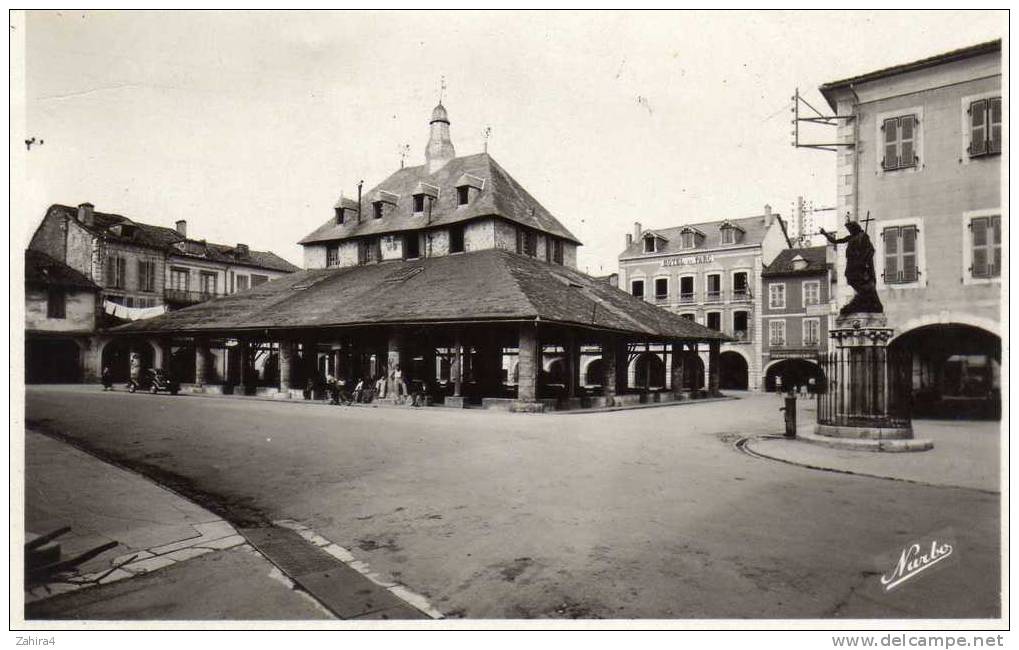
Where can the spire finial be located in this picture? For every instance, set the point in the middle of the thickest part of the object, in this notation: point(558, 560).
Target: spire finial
point(404, 150)
point(486, 134)
point(442, 88)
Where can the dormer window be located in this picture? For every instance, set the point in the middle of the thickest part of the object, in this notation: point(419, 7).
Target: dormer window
point(649, 244)
point(378, 209)
point(689, 240)
point(422, 192)
point(462, 196)
point(467, 186)
point(339, 216)
point(799, 263)
point(419, 203)
point(731, 233)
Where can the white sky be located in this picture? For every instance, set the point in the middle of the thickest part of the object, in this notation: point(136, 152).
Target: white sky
point(248, 125)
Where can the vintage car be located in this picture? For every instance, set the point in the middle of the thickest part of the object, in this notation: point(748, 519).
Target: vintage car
point(154, 380)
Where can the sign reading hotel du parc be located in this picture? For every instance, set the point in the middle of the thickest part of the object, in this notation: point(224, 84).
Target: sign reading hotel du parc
point(690, 260)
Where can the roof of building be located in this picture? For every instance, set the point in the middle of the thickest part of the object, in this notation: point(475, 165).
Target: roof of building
point(920, 64)
point(501, 286)
point(816, 258)
point(753, 228)
point(111, 227)
point(41, 269)
point(500, 196)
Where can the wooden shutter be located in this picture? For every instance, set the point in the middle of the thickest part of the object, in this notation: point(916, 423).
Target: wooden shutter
point(891, 129)
point(978, 227)
point(891, 237)
point(978, 128)
point(996, 246)
point(908, 245)
point(111, 272)
point(907, 131)
point(141, 275)
point(994, 125)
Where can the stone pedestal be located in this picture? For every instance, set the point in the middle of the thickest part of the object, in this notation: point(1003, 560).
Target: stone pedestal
point(859, 401)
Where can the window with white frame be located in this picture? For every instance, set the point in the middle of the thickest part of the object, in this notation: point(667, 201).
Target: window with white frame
point(661, 288)
point(776, 296)
point(811, 331)
point(984, 127)
point(714, 287)
point(985, 247)
point(899, 142)
point(714, 320)
point(900, 254)
point(728, 235)
point(686, 289)
point(637, 288)
point(776, 332)
point(811, 293)
point(649, 244)
point(741, 325)
point(688, 240)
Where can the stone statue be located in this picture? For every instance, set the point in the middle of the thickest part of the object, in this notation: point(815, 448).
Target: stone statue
point(859, 270)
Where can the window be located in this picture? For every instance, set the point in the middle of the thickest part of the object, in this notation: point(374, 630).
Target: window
point(740, 288)
point(208, 283)
point(661, 288)
point(456, 239)
point(258, 279)
point(527, 242)
point(463, 195)
point(378, 209)
point(689, 317)
point(411, 246)
point(242, 283)
point(332, 254)
point(687, 240)
point(900, 142)
point(900, 255)
point(116, 272)
point(686, 291)
point(811, 293)
point(179, 279)
point(129, 302)
point(557, 251)
point(419, 203)
point(714, 287)
point(363, 251)
point(714, 320)
point(776, 332)
point(985, 127)
point(146, 275)
point(339, 216)
point(740, 325)
point(637, 288)
point(776, 296)
point(811, 331)
point(986, 247)
point(728, 236)
point(649, 244)
point(56, 303)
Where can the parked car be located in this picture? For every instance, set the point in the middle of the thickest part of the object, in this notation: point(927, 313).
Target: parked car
point(154, 380)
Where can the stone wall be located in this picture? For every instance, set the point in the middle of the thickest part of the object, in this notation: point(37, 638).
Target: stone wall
point(315, 256)
point(479, 235)
point(80, 309)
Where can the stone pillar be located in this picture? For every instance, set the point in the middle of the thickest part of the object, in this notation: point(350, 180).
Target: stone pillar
point(571, 354)
point(244, 362)
point(678, 368)
point(609, 349)
point(90, 360)
point(456, 369)
point(393, 350)
point(309, 361)
point(622, 365)
point(135, 361)
point(714, 348)
point(286, 366)
point(528, 364)
point(201, 361)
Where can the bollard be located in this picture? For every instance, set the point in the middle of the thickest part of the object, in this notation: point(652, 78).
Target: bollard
point(790, 415)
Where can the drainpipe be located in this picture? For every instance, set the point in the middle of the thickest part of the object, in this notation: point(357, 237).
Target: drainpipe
point(359, 184)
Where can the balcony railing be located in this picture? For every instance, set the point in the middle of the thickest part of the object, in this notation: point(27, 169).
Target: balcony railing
point(687, 298)
point(714, 296)
point(741, 295)
point(183, 296)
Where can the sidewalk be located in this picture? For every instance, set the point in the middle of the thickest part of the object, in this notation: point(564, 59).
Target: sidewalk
point(187, 562)
point(965, 454)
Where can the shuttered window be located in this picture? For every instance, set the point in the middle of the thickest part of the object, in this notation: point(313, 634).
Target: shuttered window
point(985, 127)
point(986, 252)
point(56, 303)
point(146, 275)
point(899, 142)
point(776, 332)
point(116, 272)
point(332, 255)
point(900, 255)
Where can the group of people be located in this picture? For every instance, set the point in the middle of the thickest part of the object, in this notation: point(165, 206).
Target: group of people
point(367, 390)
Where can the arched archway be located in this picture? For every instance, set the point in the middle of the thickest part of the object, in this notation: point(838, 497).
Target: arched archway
point(733, 371)
point(594, 373)
point(789, 374)
point(116, 355)
point(556, 372)
point(953, 369)
point(52, 361)
point(648, 371)
point(693, 371)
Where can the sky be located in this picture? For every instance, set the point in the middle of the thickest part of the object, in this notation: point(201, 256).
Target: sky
point(250, 124)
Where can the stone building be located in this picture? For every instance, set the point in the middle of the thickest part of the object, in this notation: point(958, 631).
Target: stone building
point(453, 274)
point(709, 273)
point(920, 156)
point(61, 308)
point(797, 313)
point(142, 270)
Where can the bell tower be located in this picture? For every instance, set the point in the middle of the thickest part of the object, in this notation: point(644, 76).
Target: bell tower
point(440, 147)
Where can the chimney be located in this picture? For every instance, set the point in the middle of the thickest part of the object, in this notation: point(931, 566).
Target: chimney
point(241, 250)
point(768, 217)
point(182, 227)
point(629, 240)
point(636, 230)
point(85, 215)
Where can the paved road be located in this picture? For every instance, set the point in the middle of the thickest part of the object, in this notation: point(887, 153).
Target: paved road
point(630, 514)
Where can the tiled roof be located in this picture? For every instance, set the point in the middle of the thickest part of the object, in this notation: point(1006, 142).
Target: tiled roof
point(815, 256)
point(753, 228)
point(931, 61)
point(43, 270)
point(501, 196)
point(231, 255)
point(143, 234)
point(482, 286)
